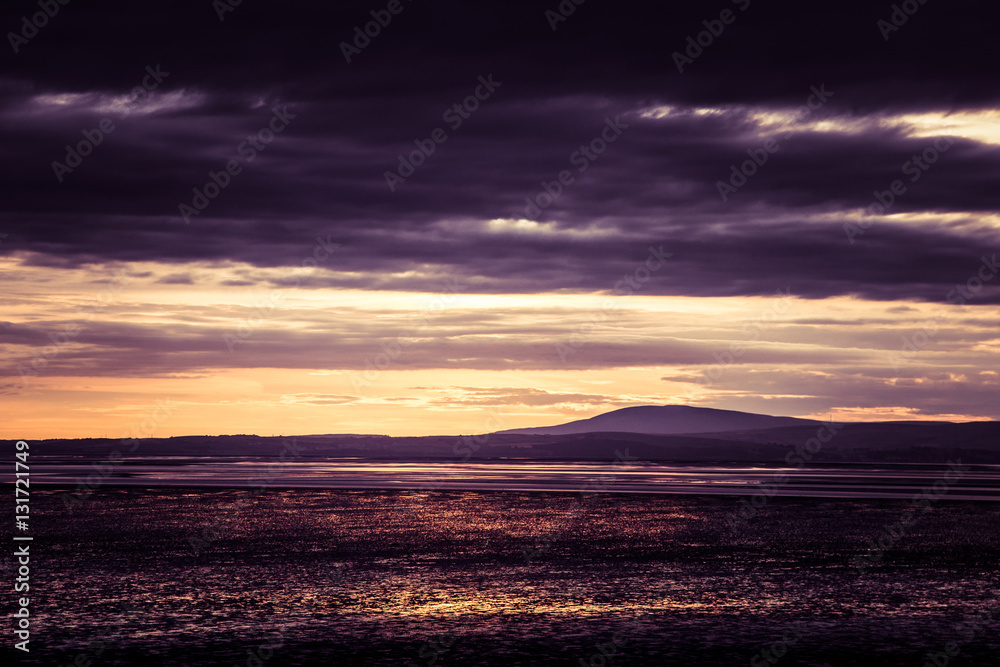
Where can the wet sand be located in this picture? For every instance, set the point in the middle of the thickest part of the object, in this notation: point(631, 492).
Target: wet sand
point(327, 577)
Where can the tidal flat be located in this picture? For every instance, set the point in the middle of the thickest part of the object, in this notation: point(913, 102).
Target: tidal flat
point(185, 576)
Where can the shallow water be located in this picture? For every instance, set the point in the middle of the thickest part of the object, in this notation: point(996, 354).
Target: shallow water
point(980, 482)
point(354, 577)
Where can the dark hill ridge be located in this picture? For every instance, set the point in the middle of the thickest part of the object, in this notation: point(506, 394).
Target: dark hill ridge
point(914, 442)
point(671, 433)
point(667, 420)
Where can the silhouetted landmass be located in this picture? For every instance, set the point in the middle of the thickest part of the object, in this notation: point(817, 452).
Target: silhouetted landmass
point(914, 442)
point(666, 420)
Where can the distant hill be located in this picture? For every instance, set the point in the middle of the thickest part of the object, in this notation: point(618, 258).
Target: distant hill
point(666, 420)
point(858, 443)
point(668, 433)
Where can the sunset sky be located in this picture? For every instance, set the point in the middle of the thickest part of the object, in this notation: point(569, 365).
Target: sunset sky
point(325, 288)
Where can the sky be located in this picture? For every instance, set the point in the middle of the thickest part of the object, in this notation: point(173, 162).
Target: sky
point(257, 218)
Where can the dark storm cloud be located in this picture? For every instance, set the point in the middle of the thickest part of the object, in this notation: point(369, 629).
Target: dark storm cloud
point(323, 174)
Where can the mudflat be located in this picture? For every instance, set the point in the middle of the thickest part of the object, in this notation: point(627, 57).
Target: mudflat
point(185, 576)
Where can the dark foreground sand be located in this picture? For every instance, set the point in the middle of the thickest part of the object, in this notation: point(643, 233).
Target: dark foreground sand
point(238, 577)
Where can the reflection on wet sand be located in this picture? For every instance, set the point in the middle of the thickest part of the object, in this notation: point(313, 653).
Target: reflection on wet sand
point(383, 577)
point(980, 482)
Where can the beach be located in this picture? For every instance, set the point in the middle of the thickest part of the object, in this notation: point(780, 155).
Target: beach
point(188, 576)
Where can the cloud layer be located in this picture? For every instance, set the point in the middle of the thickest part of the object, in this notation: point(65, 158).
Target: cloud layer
point(802, 148)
